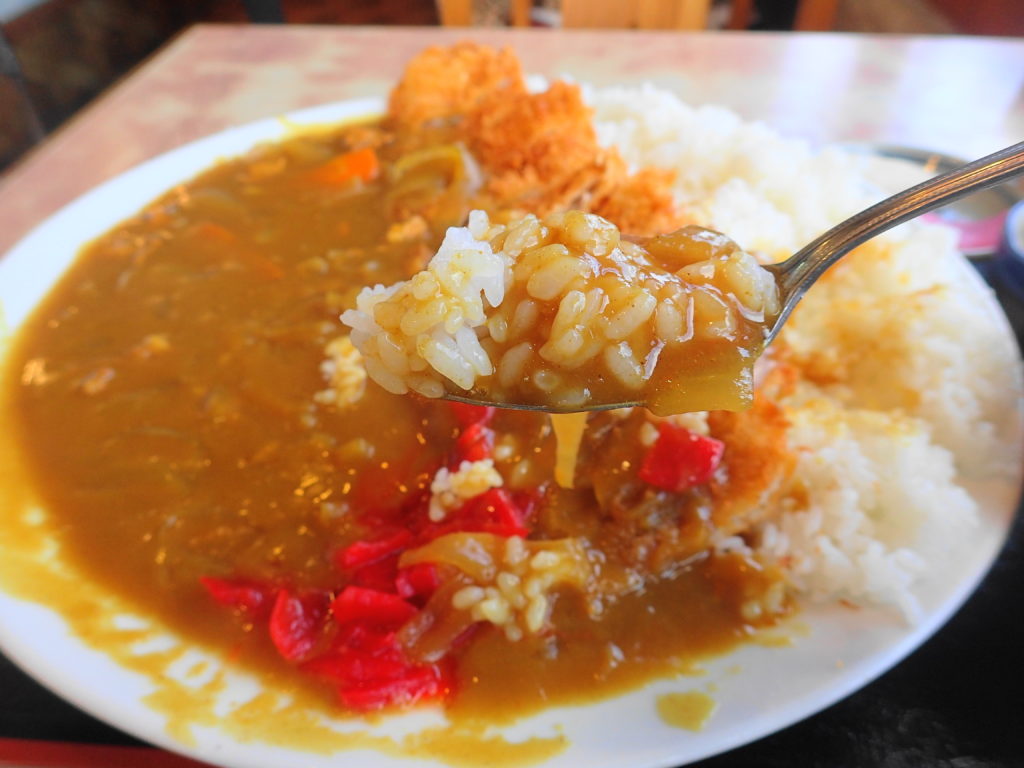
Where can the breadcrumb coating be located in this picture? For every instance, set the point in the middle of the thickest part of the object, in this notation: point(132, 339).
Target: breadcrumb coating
point(447, 82)
point(539, 151)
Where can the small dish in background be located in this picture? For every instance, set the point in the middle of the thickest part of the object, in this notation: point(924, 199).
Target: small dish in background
point(1008, 267)
point(979, 217)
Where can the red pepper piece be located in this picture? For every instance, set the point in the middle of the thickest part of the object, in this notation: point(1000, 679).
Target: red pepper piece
point(296, 621)
point(371, 605)
point(371, 671)
point(467, 415)
point(418, 684)
point(362, 637)
point(475, 443)
point(248, 596)
point(493, 511)
point(507, 514)
point(526, 503)
point(379, 575)
point(357, 667)
point(364, 552)
point(680, 459)
point(419, 580)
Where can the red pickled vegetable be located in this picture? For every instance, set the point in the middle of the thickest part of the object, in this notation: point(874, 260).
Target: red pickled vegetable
point(493, 511)
point(680, 459)
point(371, 671)
point(296, 621)
point(419, 580)
point(379, 575)
point(371, 605)
point(363, 637)
point(475, 443)
point(248, 596)
point(418, 684)
point(525, 502)
point(467, 415)
point(357, 666)
point(363, 552)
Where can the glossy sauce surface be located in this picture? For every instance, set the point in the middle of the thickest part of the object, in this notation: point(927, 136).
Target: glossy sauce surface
point(162, 400)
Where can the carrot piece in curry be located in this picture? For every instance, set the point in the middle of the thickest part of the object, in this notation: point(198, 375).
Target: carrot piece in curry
point(359, 164)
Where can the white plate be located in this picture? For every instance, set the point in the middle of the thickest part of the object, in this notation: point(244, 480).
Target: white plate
point(773, 687)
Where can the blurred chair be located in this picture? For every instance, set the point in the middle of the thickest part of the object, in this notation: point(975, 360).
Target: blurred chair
point(810, 15)
point(635, 14)
point(596, 14)
point(20, 123)
point(264, 11)
point(815, 15)
point(459, 13)
point(644, 14)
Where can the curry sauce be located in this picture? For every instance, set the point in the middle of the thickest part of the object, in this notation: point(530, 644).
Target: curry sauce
point(163, 400)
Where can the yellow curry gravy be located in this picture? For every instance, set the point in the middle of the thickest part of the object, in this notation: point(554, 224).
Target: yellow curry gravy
point(161, 401)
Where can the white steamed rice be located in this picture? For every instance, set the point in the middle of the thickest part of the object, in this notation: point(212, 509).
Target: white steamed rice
point(922, 371)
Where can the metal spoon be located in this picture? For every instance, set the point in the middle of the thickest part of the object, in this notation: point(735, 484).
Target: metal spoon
point(799, 272)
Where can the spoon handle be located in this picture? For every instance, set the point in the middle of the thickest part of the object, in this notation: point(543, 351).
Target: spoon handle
point(797, 273)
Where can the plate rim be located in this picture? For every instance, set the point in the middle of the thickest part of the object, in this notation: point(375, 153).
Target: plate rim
point(26, 654)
